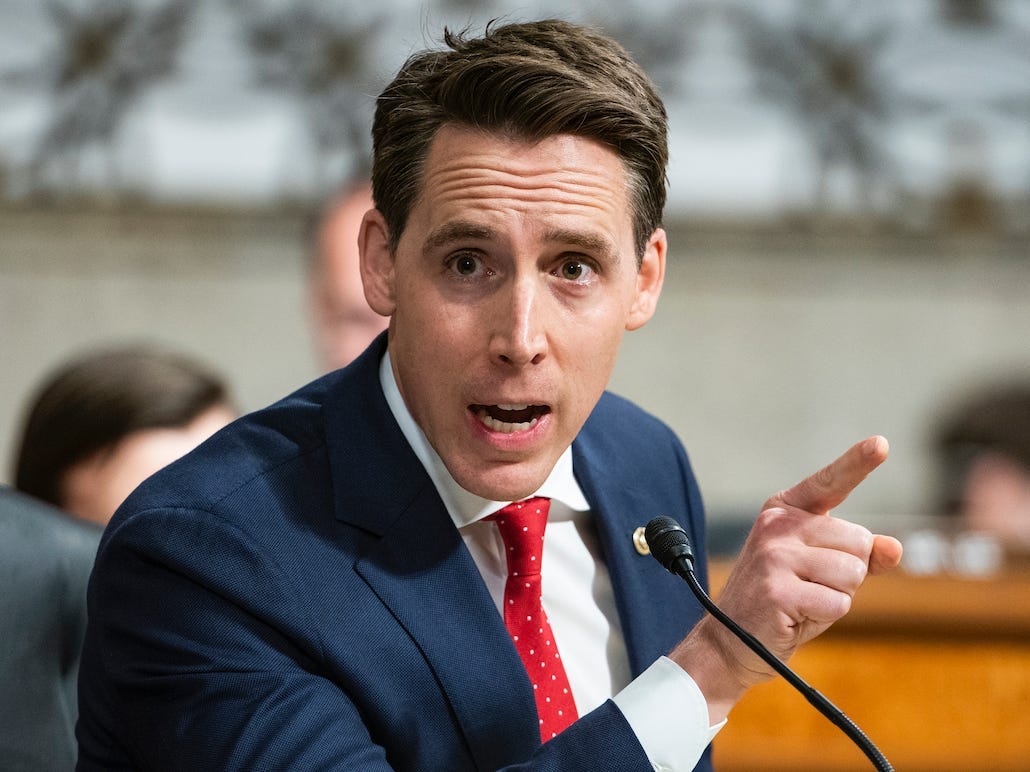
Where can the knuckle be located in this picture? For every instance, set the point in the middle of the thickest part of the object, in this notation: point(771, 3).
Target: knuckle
point(837, 605)
point(777, 594)
point(867, 542)
point(771, 520)
point(854, 570)
point(843, 604)
point(769, 553)
point(862, 539)
point(832, 605)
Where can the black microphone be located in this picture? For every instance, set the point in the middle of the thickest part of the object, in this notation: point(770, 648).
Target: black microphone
point(670, 546)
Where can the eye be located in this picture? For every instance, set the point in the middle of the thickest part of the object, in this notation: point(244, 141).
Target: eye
point(573, 270)
point(466, 265)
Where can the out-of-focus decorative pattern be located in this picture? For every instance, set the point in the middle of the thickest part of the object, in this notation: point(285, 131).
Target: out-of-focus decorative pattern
point(105, 55)
point(320, 56)
point(911, 116)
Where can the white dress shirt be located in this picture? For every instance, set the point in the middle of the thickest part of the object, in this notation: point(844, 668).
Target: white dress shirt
point(663, 705)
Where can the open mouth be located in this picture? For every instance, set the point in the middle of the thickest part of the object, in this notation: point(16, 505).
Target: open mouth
point(508, 419)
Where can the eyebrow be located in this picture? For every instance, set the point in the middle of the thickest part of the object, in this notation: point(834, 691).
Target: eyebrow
point(459, 230)
point(597, 245)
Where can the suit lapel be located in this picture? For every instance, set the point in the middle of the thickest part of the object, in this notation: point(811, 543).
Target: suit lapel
point(422, 572)
point(655, 608)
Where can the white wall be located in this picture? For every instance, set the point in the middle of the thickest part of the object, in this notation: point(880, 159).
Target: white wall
point(770, 352)
point(780, 352)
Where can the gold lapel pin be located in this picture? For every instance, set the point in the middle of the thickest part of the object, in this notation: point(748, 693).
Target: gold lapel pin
point(640, 542)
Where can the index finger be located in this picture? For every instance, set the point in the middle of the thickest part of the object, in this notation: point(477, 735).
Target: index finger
point(828, 487)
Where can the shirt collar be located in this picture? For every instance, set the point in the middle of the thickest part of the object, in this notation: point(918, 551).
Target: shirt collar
point(465, 507)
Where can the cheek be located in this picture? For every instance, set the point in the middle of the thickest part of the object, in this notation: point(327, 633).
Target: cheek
point(426, 379)
point(588, 364)
point(420, 317)
point(599, 346)
point(438, 334)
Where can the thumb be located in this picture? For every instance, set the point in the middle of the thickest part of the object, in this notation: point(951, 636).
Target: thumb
point(885, 555)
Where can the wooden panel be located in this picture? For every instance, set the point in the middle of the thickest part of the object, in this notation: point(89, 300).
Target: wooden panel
point(936, 671)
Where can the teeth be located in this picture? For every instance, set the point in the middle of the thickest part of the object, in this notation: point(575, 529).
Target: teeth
point(503, 426)
point(513, 407)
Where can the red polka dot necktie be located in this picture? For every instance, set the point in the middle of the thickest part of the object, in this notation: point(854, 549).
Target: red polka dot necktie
point(522, 525)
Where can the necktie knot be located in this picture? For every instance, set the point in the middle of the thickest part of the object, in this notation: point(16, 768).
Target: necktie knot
point(522, 525)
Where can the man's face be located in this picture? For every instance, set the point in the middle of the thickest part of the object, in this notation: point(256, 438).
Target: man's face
point(509, 292)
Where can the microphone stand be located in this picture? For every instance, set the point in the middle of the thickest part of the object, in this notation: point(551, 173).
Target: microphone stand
point(671, 547)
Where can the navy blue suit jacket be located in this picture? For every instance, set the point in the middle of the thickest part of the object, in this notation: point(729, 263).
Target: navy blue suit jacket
point(294, 595)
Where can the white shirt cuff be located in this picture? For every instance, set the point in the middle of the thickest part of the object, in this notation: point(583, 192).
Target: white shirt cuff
point(669, 716)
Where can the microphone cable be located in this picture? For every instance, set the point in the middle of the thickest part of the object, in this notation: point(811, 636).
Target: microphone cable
point(670, 546)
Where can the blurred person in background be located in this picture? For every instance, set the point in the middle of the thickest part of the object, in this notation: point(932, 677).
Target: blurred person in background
point(983, 445)
point(343, 323)
point(104, 422)
point(45, 560)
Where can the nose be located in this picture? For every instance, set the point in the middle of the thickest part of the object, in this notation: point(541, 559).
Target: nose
point(518, 335)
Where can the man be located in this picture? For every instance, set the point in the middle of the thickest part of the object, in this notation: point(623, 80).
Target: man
point(342, 321)
point(336, 582)
point(45, 560)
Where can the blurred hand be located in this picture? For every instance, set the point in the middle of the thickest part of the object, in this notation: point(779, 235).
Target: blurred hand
point(795, 576)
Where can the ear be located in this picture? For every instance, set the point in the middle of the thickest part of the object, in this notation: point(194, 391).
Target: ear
point(650, 277)
point(377, 265)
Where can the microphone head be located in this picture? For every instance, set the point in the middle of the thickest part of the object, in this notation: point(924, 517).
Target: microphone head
point(669, 543)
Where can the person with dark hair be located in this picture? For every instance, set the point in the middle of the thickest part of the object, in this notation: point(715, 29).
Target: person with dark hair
point(983, 446)
point(431, 559)
point(45, 560)
point(342, 321)
point(103, 422)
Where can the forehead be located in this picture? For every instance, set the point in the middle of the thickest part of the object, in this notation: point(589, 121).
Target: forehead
point(560, 178)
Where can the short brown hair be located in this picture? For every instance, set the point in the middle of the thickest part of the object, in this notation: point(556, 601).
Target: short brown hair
point(528, 80)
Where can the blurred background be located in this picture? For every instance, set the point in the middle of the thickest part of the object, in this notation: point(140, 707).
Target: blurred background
point(849, 207)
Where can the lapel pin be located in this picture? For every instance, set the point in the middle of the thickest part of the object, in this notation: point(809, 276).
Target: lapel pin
point(640, 542)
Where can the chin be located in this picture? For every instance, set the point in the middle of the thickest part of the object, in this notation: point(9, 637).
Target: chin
point(503, 484)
